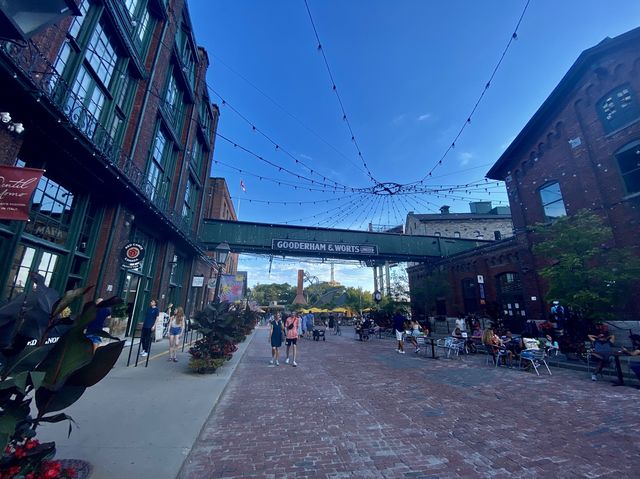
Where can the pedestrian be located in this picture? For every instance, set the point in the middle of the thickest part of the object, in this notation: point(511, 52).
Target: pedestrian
point(94, 328)
point(176, 327)
point(398, 325)
point(601, 351)
point(276, 333)
point(149, 324)
point(415, 334)
point(291, 331)
point(558, 315)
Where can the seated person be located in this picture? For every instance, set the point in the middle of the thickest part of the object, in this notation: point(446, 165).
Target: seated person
point(494, 344)
point(601, 350)
point(511, 343)
point(634, 365)
point(457, 334)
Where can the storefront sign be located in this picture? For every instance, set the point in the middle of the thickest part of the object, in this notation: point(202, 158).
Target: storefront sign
point(132, 255)
point(197, 282)
point(16, 187)
point(322, 247)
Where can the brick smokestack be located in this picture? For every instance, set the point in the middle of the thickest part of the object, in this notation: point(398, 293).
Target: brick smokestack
point(299, 292)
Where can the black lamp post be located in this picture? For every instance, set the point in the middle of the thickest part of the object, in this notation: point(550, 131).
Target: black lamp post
point(21, 19)
point(221, 254)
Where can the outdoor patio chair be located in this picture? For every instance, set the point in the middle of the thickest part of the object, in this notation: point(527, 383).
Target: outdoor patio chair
point(495, 355)
point(453, 346)
point(535, 357)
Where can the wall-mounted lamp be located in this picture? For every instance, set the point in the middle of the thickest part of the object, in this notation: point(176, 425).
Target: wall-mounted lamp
point(5, 119)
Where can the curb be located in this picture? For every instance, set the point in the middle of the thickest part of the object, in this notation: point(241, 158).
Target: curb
point(231, 365)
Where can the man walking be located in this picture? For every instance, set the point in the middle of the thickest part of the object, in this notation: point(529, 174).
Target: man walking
point(291, 331)
point(150, 318)
point(398, 325)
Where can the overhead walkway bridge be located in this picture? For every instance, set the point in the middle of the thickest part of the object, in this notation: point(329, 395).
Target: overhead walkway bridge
point(305, 241)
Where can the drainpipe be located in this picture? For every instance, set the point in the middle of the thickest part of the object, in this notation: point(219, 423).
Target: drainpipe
point(112, 230)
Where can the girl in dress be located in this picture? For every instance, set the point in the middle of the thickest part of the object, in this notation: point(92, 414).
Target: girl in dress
point(176, 326)
point(276, 333)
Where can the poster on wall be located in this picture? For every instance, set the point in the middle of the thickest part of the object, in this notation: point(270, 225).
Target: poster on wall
point(233, 287)
point(16, 187)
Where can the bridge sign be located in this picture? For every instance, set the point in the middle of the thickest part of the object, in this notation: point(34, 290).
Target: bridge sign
point(333, 248)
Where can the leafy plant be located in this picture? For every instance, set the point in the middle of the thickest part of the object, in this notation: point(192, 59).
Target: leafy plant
point(583, 270)
point(45, 355)
point(222, 326)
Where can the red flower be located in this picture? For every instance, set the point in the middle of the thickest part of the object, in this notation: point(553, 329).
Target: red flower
point(30, 444)
point(50, 474)
point(20, 452)
point(31, 475)
point(70, 472)
point(13, 471)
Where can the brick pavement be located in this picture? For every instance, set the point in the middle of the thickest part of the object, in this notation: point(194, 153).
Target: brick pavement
point(360, 410)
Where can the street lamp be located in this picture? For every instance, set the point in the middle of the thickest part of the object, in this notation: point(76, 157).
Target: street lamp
point(21, 19)
point(221, 253)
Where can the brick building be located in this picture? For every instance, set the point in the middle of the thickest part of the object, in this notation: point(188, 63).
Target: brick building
point(116, 110)
point(580, 150)
point(483, 222)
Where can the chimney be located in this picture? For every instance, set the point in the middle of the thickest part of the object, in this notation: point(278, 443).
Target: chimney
point(444, 209)
point(299, 292)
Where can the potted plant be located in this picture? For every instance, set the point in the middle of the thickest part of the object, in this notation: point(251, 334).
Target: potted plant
point(118, 322)
point(45, 358)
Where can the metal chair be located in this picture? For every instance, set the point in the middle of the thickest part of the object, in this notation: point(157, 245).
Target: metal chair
point(535, 357)
point(454, 345)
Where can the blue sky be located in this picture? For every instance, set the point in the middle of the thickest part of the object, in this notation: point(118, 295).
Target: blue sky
point(408, 73)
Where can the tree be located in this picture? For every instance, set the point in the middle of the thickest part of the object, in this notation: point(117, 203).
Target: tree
point(433, 287)
point(585, 271)
point(281, 293)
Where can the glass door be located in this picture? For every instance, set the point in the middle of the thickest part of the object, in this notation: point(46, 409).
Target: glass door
point(28, 259)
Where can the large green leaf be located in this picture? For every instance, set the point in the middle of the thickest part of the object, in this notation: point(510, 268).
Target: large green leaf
point(72, 352)
point(48, 400)
point(37, 379)
point(103, 360)
point(68, 298)
point(20, 381)
point(27, 360)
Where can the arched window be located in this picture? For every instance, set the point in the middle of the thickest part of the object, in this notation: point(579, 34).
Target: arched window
point(618, 108)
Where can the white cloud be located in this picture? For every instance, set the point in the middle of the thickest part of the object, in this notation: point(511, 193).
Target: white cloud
point(465, 157)
point(398, 119)
point(305, 157)
point(424, 116)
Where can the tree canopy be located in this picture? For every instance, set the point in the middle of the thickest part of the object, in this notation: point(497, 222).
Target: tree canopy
point(585, 271)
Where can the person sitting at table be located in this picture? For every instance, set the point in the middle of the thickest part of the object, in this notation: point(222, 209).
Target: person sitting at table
point(601, 351)
point(511, 343)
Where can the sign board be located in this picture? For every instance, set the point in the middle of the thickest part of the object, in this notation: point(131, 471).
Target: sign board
point(211, 283)
point(16, 187)
point(132, 255)
point(299, 246)
point(233, 287)
point(480, 279)
point(197, 282)
point(377, 296)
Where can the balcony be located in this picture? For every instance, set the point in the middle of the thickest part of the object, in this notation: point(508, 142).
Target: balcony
point(50, 88)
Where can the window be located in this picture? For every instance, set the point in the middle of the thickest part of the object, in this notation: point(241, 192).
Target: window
point(77, 22)
point(51, 212)
point(618, 108)
point(173, 103)
point(497, 235)
point(552, 203)
point(143, 26)
point(205, 117)
point(189, 201)
point(456, 234)
point(132, 6)
point(629, 162)
point(158, 171)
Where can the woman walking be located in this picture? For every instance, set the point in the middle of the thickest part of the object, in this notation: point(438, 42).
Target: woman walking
point(176, 326)
point(276, 333)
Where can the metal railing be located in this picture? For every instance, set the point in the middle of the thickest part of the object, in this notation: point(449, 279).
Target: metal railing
point(71, 108)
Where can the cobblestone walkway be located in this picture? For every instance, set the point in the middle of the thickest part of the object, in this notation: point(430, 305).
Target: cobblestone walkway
point(360, 410)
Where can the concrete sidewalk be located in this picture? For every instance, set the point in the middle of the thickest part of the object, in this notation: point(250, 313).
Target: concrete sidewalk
point(142, 422)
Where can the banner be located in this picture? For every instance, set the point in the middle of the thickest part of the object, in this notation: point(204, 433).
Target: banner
point(16, 187)
point(323, 247)
point(233, 287)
